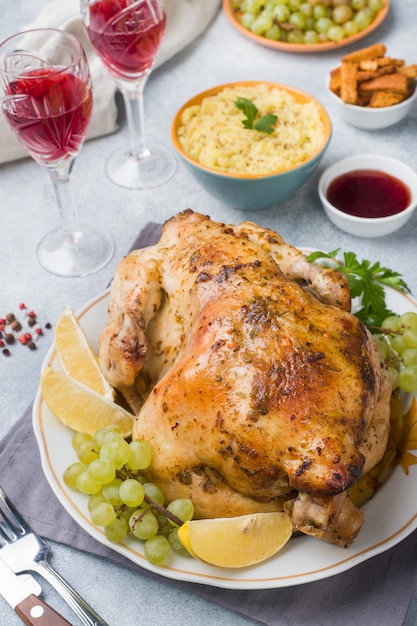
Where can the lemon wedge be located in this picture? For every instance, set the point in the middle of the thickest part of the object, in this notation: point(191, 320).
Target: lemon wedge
point(77, 357)
point(236, 541)
point(81, 408)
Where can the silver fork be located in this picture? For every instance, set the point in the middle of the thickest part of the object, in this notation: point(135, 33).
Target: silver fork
point(23, 550)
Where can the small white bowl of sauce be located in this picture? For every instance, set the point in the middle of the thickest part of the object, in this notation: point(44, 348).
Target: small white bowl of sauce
point(369, 195)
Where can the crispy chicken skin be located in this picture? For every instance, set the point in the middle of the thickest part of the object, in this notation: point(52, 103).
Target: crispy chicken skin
point(250, 378)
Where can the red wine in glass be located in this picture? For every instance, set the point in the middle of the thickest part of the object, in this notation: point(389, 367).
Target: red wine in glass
point(47, 101)
point(49, 113)
point(126, 37)
point(127, 34)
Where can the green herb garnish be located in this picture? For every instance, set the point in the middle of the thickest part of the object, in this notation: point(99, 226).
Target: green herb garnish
point(264, 123)
point(366, 282)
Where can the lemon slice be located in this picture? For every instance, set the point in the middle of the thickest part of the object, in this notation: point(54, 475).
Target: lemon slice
point(236, 541)
point(76, 356)
point(81, 408)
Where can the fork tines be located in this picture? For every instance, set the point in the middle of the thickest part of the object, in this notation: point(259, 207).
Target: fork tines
point(11, 522)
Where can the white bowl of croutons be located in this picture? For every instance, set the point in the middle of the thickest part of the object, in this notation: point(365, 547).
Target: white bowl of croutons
point(370, 90)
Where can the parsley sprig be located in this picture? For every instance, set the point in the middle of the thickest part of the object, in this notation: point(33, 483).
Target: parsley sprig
point(264, 123)
point(366, 282)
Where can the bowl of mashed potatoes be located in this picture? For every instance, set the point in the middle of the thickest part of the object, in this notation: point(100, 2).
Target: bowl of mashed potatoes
point(251, 144)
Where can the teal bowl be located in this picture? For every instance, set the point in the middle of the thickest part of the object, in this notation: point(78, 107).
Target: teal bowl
point(252, 192)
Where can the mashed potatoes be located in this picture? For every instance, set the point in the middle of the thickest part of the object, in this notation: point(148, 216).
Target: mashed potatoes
point(213, 135)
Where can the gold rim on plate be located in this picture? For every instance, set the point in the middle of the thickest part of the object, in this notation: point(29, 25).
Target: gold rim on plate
point(298, 47)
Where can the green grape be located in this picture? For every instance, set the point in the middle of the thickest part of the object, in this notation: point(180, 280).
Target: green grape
point(79, 438)
point(408, 379)
point(111, 492)
point(298, 19)
point(141, 455)
point(143, 524)
point(156, 550)
point(323, 24)
point(103, 514)
point(295, 36)
point(181, 508)
point(350, 28)
point(253, 6)
point(409, 356)
point(102, 470)
point(307, 9)
point(357, 5)
point(261, 24)
point(273, 33)
point(410, 338)
point(409, 320)
point(336, 33)
point(86, 452)
point(342, 14)
point(311, 37)
point(117, 530)
point(117, 451)
point(363, 18)
point(398, 343)
point(86, 484)
point(154, 493)
point(294, 4)
point(175, 543)
point(71, 474)
point(375, 5)
point(391, 323)
point(131, 492)
point(282, 13)
point(95, 499)
point(319, 11)
point(246, 20)
point(105, 434)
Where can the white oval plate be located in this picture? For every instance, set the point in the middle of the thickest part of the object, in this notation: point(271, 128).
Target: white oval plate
point(390, 516)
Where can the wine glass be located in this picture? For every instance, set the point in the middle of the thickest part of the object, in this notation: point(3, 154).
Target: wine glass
point(126, 35)
point(47, 103)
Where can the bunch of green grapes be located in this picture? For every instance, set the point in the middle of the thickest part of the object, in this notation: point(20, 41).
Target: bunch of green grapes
point(307, 21)
point(108, 470)
point(398, 346)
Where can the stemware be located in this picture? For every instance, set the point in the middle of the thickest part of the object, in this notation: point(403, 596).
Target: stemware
point(47, 103)
point(126, 35)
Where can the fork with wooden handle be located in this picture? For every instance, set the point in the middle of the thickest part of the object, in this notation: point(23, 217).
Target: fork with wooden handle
point(23, 550)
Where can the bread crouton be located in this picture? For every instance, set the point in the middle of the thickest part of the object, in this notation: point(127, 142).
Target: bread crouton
point(385, 99)
point(396, 83)
point(376, 50)
point(409, 70)
point(348, 89)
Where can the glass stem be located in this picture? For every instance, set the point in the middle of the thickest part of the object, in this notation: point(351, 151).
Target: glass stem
point(60, 175)
point(133, 99)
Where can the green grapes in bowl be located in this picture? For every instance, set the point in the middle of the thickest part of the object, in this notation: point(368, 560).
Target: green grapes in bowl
point(306, 25)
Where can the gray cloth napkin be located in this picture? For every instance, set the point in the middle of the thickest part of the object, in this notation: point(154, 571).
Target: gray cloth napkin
point(375, 593)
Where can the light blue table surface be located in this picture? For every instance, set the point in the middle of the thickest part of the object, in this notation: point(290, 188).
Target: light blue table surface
point(27, 211)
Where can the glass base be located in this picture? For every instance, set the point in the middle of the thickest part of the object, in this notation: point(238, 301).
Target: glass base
point(128, 171)
point(89, 252)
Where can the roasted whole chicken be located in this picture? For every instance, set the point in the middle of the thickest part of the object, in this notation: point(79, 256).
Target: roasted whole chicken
point(255, 385)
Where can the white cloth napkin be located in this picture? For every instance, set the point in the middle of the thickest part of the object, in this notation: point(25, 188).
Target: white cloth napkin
point(186, 20)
